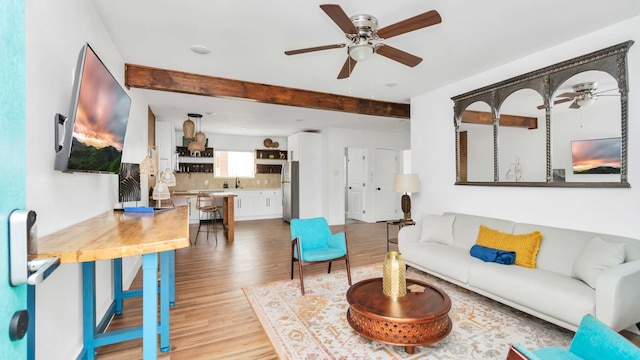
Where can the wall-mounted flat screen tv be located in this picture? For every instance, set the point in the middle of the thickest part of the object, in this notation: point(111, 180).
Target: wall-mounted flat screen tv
point(596, 156)
point(91, 138)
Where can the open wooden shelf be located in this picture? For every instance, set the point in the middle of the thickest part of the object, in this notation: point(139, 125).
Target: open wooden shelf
point(271, 154)
point(268, 169)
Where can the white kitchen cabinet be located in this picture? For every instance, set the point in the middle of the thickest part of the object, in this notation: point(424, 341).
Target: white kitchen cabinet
point(268, 203)
point(293, 144)
point(243, 204)
point(258, 204)
point(275, 204)
point(306, 149)
point(194, 214)
point(249, 204)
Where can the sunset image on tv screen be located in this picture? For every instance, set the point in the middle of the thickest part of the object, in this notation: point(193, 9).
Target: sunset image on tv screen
point(101, 120)
point(597, 156)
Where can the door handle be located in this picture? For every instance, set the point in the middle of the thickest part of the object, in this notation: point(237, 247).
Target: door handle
point(41, 269)
point(23, 240)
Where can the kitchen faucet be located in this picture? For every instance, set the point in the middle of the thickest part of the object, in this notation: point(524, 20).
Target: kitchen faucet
point(237, 182)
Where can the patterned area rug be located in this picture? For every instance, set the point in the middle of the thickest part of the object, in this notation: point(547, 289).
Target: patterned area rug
point(314, 326)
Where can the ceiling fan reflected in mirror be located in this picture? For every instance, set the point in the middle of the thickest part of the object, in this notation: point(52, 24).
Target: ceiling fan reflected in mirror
point(584, 94)
point(365, 39)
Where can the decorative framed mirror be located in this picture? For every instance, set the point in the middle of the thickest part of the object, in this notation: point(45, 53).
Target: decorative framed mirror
point(561, 126)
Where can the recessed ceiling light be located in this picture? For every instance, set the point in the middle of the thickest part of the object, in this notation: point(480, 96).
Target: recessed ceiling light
point(244, 128)
point(199, 49)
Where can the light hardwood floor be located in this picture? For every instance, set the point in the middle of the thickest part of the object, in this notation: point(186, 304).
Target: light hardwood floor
point(212, 318)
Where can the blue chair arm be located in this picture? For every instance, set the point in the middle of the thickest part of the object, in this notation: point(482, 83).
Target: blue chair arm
point(338, 240)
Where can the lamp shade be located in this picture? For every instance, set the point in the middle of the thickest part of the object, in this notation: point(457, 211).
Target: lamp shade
point(168, 177)
point(147, 166)
point(406, 183)
point(161, 191)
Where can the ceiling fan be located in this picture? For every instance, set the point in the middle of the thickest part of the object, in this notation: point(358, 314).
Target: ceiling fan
point(365, 38)
point(584, 95)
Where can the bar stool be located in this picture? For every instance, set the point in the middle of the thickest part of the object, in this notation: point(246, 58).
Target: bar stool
point(209, 213)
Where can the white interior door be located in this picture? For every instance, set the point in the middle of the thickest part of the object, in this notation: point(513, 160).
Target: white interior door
point(12, 181)
point(356, 183)
point(386, 201)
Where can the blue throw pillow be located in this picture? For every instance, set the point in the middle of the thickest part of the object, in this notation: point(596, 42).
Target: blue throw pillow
point(493, 255)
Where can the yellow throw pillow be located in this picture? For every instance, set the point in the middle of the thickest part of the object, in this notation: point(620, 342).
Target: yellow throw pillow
point(526, 246)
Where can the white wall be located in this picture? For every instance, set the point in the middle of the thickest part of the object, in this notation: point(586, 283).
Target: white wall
point(334, 142)
point(55, 33)
point(614, 211)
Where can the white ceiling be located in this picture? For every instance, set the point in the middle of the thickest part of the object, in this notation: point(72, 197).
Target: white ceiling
point(248, 38)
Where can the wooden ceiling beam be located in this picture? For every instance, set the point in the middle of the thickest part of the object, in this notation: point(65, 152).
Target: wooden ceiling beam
point(485, 118)
point(145, 77)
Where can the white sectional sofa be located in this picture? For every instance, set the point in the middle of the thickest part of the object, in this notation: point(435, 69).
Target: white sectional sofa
point(552, 291)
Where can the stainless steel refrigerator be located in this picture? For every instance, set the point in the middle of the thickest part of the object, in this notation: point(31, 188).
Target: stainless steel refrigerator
point(290, 191)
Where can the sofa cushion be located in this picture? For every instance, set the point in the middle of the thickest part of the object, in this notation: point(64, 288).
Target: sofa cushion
point(561, 247)
point(546, 292)
point(438, 228)
point(526, 246)
point(597, 256)
point(465, 228)
point(440, 259)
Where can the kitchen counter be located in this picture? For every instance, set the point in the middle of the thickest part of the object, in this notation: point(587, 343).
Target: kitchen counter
point(211, 191)
point(249, 203)
point(228, 208)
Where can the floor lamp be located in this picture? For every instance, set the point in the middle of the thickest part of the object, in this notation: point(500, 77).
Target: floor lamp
point(406, 183)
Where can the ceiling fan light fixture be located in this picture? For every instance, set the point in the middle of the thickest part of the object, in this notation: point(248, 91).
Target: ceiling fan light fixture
point(361, 51)
point(586, 100)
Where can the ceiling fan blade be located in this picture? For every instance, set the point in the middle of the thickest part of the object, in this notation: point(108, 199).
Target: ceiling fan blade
point(317, 48)
point(568, 95)
point(600, 93)
point(339, 17)
point(417, 22)
point(559, 101)
point(398, 55)
point(347, 68)
point(574, 105)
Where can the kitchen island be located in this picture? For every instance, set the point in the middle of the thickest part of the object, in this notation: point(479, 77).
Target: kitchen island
point(228, 208)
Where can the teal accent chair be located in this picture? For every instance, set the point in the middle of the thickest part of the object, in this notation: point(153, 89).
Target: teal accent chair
point(313, 242)
point(593, 341)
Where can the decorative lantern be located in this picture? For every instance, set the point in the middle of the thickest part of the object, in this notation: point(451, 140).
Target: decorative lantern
point(394, 276)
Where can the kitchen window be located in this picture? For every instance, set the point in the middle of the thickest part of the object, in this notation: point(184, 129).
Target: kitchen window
point(234, 164)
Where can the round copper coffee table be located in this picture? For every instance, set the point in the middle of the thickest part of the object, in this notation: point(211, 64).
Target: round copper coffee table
point(411, 320)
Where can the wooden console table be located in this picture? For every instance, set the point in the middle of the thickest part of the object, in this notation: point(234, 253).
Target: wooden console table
point(112, 236)
point(399, 224)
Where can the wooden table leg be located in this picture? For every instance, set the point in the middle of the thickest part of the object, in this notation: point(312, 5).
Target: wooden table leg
point(229, 219)
point(410, 349)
